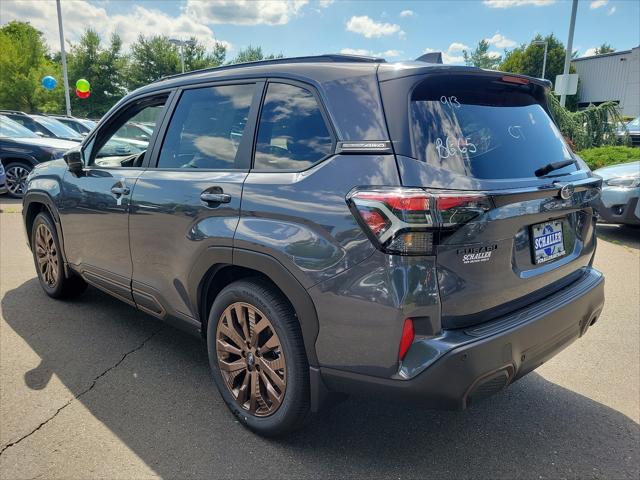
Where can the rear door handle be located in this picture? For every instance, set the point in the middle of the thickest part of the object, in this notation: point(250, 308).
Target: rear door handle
point(122, 190)
point(215, 197)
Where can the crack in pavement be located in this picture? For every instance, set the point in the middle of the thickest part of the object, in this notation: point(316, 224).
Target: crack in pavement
point(87, 390)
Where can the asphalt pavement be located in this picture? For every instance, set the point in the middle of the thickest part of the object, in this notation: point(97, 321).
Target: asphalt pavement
point(93, 389)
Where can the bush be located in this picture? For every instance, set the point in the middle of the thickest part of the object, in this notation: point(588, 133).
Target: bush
point(603, 156)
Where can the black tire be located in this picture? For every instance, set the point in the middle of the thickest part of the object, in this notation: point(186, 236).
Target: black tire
point(294, 407)
point(16, 173)
point(61, 286)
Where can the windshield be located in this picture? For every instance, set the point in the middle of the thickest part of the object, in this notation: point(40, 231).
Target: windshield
point(484, 129)
point(11, 129)
point(635, 123)
point(56, 127)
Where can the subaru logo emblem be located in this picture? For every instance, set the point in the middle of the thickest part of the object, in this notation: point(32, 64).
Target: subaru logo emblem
point(566, 192)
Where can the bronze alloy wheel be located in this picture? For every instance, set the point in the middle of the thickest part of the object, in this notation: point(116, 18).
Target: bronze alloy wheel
point(47, 255)
point(251, 359)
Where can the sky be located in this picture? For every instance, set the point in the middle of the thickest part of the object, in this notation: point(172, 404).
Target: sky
point(396, 30)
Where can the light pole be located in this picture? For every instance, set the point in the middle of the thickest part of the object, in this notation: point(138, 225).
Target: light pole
point(567, 57)
point(181, 44)
point(544, 61)
point(64, 61)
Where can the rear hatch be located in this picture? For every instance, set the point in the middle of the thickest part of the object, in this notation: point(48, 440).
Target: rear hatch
point(513, 199)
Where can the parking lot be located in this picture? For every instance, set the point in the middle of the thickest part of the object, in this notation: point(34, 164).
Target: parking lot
point(94, 389)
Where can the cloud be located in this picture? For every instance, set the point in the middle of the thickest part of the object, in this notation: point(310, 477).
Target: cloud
point(589, 52)
point(80, 14)
point(501, 41)
point(517, 3)
point(406, 13)
point(597, 4)
point(325, 3)
point(369, 53)
point(612, 10)
point(368, 27)
point(494, 54)
point(457, 47)
point(245, 12)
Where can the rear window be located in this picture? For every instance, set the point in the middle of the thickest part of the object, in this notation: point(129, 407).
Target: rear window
point(485, 128)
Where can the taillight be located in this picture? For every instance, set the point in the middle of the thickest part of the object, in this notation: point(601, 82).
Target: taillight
point(410, 221)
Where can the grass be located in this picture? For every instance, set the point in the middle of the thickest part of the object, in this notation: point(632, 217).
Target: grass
point(603, 156)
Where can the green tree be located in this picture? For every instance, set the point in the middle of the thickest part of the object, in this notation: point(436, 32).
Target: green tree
point(253, 54)
point(102, 67)
point(605, 48)
point(23, 63)
point(481, 57)
point(527, 60)
point(154, 57)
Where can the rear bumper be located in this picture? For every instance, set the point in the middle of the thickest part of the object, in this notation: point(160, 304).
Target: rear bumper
point(463, 366)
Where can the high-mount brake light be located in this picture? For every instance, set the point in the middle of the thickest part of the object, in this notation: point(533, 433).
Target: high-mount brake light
point(410, 221)
point(517, 80)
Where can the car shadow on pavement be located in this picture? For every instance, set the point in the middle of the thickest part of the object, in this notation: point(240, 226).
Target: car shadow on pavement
point(619, 234)
point(157, 398)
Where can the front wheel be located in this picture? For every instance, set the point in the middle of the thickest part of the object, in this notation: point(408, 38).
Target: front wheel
point(48, 261)
point(257, 357)
point(17, 174)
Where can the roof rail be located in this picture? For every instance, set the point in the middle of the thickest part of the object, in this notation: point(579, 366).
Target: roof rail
point(330, 57)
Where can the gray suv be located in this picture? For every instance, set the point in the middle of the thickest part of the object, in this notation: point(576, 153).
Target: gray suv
point(334, 225)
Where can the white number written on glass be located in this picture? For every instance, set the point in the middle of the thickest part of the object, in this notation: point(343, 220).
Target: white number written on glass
point(451, 101)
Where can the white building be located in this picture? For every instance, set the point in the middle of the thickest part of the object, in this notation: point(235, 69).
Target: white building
point(611, 77)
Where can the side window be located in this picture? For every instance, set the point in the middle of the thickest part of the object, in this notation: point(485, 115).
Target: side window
point(207, 127)
point(292, 134)
point(115, 147)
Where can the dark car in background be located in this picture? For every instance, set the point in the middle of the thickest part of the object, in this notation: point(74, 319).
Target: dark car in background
point(43, 125)
point(3, 179)
point(81, 125)
point(334, 225)
point(21, 149)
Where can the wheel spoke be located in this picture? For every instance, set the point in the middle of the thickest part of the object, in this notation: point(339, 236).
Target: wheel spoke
point(242, 320)
point(227, 347)
point(269, 370)
point(243, 391)
point(253, 400)
point(230, 332)
point(231, 366)
point(271, 392)
point(270, 344)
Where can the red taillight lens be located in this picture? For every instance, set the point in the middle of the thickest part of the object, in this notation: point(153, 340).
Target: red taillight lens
point(406, 339)
point(406, 221)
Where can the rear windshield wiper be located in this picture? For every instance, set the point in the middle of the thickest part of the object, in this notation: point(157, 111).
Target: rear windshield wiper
point(550, 167)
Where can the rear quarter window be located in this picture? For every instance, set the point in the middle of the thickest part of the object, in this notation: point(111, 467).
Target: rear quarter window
point(484, 128)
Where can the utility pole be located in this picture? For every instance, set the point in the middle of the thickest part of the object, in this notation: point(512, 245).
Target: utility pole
point(567, 57)
point(544, 59)
point(181, 44)
point(64, 60)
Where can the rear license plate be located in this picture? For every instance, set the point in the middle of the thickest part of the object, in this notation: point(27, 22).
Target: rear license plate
point(547, 241)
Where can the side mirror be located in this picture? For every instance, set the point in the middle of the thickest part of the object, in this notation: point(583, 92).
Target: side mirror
point(74, 160)
point(40, 134)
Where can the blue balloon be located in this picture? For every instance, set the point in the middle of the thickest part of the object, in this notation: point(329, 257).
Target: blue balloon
point(49, 82)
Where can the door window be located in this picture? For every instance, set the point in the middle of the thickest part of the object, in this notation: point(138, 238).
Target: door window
point(114, 147)
point(292, 134)
point(207, 127)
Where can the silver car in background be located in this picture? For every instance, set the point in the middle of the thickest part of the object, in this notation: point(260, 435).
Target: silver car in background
point(618, 202)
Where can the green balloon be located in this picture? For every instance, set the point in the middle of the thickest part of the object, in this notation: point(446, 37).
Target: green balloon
point(83, 85)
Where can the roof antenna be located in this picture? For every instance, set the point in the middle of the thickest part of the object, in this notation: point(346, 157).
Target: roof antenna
point(431, 57)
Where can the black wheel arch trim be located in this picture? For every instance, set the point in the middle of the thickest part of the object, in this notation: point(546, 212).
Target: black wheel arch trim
point(220, 257)
point(44, 199)
point(19, 158)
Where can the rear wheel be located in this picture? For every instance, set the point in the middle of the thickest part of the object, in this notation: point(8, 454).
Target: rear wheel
point(48, 261)
point(17, 173)
point(257, 357)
